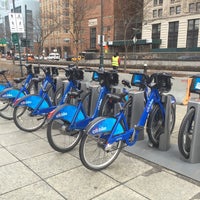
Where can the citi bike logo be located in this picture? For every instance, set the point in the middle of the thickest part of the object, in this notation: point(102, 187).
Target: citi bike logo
point(26, 102)
point(97, 130)
point(7, 95)
point(63, 114)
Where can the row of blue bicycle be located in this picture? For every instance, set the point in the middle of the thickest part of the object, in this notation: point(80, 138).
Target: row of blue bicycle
point(66, 110)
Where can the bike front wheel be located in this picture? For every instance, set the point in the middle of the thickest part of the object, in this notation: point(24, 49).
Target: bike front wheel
point(6, 110)
point(60, 138)
point(185, 133)
point(93, 154)
point(25, 121)
point(155, 124)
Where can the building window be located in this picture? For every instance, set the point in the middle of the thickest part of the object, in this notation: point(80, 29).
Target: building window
point(173, 34)
point(155, 2)
point(92, 38)
point(156, 34)
point(178, 9)
point(192, 7)
point(159, 12)
point(154, 13)
point(171, 11)
point(172, 1)
point(198, 7)
point(160, 2)
point(192, 33)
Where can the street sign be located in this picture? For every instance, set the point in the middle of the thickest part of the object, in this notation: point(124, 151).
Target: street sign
point(15, 38)
point(16, 23)
point(2, 42)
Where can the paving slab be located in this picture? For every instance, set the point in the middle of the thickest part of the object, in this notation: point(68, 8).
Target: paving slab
point(30, 149)
point(6, 157)
point(163, 185)
point(53, 163)
point(125, 168)
point(15, 175)
point(16, 137)
point(36, 191)
point(121, 193)
point(80, 183)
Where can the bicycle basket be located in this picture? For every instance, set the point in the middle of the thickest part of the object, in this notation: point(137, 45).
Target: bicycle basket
point(36, 70)
point(108, 78)
point(95, 76)
point(79, 74)
point(54, 71)
point(29, 69)
point(163, 82)
point(195, 85)
point(138, 80)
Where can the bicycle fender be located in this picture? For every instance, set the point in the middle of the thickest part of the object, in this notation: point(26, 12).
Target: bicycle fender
point(65, 112)
point(103, 125)
point(10, 93)
point(32, 101)
point(2, 87)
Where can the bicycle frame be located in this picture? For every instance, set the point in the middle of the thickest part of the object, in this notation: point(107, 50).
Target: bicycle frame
point(114, 129)
point(14, 94)
point(76, 115)
point(41, 104)
point(40, 101)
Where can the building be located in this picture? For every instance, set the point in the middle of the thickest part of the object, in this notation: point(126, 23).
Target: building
point(30, 13)
point(75, 26)
point(172, 25)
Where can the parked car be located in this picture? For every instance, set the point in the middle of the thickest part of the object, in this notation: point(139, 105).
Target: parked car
point(53, 56)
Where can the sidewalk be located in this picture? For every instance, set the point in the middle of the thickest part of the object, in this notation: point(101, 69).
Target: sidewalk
point(31, 169)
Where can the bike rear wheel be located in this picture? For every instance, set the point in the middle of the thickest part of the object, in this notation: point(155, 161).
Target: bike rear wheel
point(60, 138)
point(25, 121)
point(155, 124)
point(93, 154)
point(185, 133)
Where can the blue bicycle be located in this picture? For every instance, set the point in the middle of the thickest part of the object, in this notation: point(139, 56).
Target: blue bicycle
point(106, 136)
point(30, 112)
point(9, 95)
point(67, 122)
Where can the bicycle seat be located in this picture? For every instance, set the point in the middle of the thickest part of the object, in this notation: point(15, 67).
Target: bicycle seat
point(75, 94)
point(19, 80)
point(126, 83)
point(116, 97)
point(37, 79)
point(3, 71)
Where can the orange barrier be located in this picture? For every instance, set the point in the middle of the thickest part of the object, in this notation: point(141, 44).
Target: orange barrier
point(187, 97)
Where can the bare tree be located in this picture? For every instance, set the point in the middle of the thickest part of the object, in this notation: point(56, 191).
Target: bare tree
point(128, 22)
point(42, 29)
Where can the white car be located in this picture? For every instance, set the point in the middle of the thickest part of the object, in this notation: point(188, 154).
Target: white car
point(53, 56)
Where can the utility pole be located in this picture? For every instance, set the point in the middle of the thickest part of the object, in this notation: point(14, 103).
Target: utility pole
point(101, 39)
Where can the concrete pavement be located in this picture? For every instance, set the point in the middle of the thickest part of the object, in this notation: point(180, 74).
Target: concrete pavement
point(31, 169)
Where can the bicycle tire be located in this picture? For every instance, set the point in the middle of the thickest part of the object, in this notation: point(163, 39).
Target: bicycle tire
point(155, 124)
point(59, 137)
point(7, 111)
point(109, 107)
point(58, 95)
point(93, 155)
point(4, 103)
point(25, 121)
point(185, 133)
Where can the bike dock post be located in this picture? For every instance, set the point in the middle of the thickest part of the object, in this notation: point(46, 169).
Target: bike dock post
point(94, 97)
point(164, 140)
point(195, 143)
point(136, 110)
